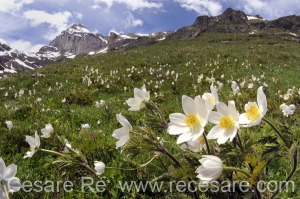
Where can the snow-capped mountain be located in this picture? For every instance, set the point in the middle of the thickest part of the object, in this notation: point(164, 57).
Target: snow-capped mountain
point(77, 39)
point(14, 61)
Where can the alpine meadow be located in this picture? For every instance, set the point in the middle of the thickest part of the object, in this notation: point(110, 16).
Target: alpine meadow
point(215, 116)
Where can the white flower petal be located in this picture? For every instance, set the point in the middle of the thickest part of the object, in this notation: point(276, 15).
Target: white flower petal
point(11, 171)
point(232, 110)
point(138, 94)
point(210, 169)
point(2, 168)
point(215, 132)
point(188, 105)
point(201, 109)
point(122, 141)
point(243, 120)
point(120, 133)
point(14, 184)
point(31, 141)
point(225, 136)
point(99, 167)
point(184, 137)
point(124, 122)
point(196, 132)
point(222, 108)
point(214, 117)
point(177, 119)
point(176, 130)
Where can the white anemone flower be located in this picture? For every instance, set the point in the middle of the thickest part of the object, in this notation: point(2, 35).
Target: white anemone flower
point(254, 111)
point(235, 88)
point(196, 145)
point(141, 96)
point(122, 134)
point(211, 99)
point(287, 110)
point(47, 131)
point(190, 126)
point(226, 119)
point(210, 169)
point(34, 143)
point(9, 124)
point(99, 167)
point(7, 177)
point(85, 126)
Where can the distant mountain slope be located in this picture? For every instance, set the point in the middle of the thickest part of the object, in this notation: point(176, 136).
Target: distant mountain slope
point(77, 39)
point(14, 61)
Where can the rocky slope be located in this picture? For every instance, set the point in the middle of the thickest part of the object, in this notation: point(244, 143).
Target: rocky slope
point(14, 61)
point(77, 39)
point(235, 21)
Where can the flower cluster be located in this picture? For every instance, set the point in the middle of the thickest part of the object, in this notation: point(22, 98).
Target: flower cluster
point(190, 125)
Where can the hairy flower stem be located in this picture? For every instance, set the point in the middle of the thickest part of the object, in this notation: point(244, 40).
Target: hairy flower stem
point(295, 164)
point(166, 152)
point(162, 163)
point(237, 169)
point(87, 167)
point(53, 152)
point(115, 168)
point(5, 189)
point(239, 142)
point(287, 143)
point(257, 193)
point(206, 142)
point(150, 105)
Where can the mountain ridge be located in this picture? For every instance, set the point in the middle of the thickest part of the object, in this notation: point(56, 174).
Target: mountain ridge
point(78, 40)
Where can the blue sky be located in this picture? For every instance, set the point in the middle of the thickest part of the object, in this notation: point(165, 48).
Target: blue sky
point(28, 25)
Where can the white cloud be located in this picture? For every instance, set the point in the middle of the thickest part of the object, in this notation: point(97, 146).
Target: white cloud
point(11, 26)
point(95, 31)
point(78, 15)
point(2, 41)
point(132, 4)
point(114, 31)
point(131, 21)
point(95, 7)
point(252, 6)
point(21, 45)
point(271, 9)
point(36, 48)
point(24, 46)
point(12, 6)
point(58, 21)
point(202, 7)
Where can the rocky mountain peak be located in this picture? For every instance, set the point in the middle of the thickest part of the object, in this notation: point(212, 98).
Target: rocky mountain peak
point(77, 28)
point(78, 39)
point(234, 16)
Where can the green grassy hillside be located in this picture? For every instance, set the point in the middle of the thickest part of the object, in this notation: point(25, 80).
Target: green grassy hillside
point(66, 98)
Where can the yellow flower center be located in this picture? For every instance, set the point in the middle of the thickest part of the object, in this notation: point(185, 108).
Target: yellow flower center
point(31, 148)
point(201, 140)
point(253, 113)
point(192, 120)
point(226, 122)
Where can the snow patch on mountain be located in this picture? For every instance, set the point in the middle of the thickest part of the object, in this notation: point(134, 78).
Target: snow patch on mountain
point(77, 28)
